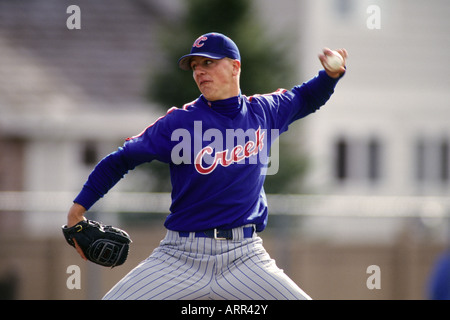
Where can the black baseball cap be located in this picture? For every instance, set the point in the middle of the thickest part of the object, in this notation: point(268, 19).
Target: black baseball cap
point(212, 45)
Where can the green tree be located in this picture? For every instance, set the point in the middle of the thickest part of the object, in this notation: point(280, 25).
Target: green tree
point(265, 68)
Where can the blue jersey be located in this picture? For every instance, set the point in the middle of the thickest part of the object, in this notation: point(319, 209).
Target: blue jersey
point(218, 154)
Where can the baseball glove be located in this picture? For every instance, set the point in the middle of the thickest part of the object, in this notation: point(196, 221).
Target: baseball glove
point(104, 245)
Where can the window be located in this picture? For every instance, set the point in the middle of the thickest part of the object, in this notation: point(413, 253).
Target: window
point(341, 160)
point(444, 159)
point(89, 153)
point(432, 158)
point(420, 160)
point(357, 160)
point(374, 160)
point(344, 7)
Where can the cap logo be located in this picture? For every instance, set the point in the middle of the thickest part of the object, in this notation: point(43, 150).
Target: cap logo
point(198, 43)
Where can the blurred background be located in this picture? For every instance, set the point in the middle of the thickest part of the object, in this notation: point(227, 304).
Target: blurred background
point(363, 182)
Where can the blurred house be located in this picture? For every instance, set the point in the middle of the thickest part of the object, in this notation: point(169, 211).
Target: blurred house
point(69, 97)
point(387, 130)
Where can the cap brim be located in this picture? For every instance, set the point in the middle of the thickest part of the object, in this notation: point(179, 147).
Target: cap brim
point(185, 61)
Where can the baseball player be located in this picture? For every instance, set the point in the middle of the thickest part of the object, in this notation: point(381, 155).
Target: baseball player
point(217, 148)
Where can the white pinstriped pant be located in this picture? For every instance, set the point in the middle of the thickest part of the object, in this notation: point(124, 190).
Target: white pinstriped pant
point(189, 268)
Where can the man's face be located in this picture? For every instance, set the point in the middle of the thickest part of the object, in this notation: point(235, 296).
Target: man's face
point(216, 79)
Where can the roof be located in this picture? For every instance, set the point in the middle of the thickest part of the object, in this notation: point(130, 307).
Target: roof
point(109, 60)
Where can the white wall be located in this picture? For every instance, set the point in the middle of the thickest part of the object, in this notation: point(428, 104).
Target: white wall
point(396, 88)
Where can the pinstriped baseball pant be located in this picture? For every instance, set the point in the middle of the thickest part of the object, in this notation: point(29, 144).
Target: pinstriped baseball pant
point(192, 268)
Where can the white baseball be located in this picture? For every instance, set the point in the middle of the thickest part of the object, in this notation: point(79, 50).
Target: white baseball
point(334, 62)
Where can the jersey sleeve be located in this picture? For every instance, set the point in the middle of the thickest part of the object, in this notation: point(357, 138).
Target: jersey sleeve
point(105, 175)
point(303, 100)
point(151, 144)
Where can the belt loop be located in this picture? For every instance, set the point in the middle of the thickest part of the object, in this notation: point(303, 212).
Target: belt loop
point(241, 234)
point(251, 231)
point(238, 233)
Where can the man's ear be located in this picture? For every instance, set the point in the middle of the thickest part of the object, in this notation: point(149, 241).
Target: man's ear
point(236, 67)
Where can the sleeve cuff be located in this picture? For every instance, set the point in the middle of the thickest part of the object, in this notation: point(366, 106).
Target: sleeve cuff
point(87, 198)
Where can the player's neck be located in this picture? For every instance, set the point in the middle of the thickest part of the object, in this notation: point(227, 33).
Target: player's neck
point(229, 107)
